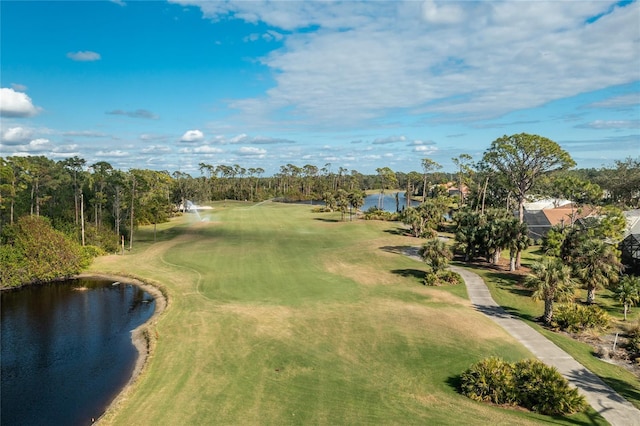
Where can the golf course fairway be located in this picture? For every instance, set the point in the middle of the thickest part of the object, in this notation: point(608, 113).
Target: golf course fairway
point(278, 315)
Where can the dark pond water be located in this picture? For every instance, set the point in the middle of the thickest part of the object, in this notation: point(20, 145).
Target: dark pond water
point(67, 352)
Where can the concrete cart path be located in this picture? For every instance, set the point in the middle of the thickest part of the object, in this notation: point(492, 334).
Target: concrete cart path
point(614, 408)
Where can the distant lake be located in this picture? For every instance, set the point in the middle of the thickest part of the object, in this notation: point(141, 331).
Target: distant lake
point(388, 203)
point(67, 349)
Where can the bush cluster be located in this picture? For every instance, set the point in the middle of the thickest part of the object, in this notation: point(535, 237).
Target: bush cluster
point(633, 344)
point(574, 317)
point(527, 383)
point(441, 278)
point(375, 213)
point(32, 251)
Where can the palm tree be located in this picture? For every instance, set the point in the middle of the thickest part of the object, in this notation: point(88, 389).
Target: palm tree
point(356, 200)
point(628, 292)
point(436, 253)
point(551, 281)
point(596, 266)
point(342, 201)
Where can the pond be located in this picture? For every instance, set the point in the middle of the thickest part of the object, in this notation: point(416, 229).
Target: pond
point(372, 200)
point(66, 349)
point(388, 202)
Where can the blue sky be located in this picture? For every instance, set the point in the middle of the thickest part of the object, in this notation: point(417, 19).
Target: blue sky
point(167, 85)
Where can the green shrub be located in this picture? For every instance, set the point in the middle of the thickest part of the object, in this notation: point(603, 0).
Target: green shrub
point(633, 343)
point(528, 383)
point(33, 251)
point(321, 209)
point(375, 213)
point(104, 238)
point(490, 380)
point(450, 277)
point(542, 389)
point(91, 252)
point(441, 278)
point(573, 317)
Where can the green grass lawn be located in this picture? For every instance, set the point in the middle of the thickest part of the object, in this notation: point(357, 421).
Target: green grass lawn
point(278, 315)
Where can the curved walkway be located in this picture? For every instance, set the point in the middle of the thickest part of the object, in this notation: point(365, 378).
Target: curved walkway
point(607, 402)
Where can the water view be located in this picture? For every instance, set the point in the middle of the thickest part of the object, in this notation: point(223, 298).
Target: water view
point(67, 350)
point(388, 202)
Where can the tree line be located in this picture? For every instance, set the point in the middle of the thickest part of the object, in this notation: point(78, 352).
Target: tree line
point(100, 205)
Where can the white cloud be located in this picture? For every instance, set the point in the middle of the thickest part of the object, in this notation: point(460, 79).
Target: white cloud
point(389, 140)
point(192, 136)
point(19, 87)
point(251, 151)
point(16, 104)
point(442, 14)
point(258, 140)
point(84, 56)
point(35, 146)
point(206, 149)
point(16, 135)
point(152, 149)
point(622, 101)
point(111, 154)
point(455, 60)
point(611, 124)
point(139, 113)
point(85, 134)
point(425, 149)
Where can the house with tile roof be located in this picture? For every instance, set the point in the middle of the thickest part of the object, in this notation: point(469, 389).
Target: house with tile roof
point(541, 216)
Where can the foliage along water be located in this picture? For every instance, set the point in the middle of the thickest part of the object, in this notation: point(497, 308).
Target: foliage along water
point(67, 349)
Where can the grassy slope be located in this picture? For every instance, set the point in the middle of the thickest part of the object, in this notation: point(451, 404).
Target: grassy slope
point(281, 316)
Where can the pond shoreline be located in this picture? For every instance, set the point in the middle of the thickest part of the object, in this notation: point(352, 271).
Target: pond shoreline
point(144, 337)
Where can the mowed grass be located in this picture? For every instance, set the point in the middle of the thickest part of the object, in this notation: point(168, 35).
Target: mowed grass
point(278, 315)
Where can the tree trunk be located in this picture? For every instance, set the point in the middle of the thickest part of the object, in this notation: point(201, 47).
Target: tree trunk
point(626, 309)
point(75, 201)
point(484, 193)
point(548, 310)
point(591, 295)
point(133, 193)
point(424, 189)
point(82, 216)
point(512, 260)
point(518, 258)
point(521, 208)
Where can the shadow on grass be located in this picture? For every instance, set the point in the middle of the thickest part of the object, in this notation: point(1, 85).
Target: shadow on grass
point(324, 219)
point(455, 382)
point(410, 273)
point(626, 390)
point(404, 250)
point(397, 231)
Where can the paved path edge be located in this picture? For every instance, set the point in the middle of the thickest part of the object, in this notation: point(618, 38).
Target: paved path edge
point(606, 401)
